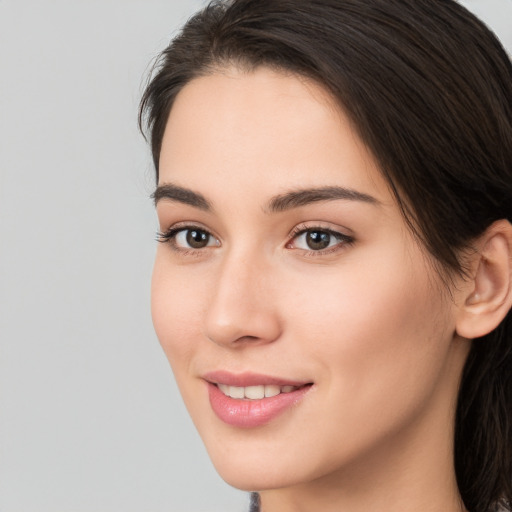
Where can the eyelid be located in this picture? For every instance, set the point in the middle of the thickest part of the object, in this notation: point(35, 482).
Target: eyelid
point(168, 236)
point(344, 239)
point(320, 226)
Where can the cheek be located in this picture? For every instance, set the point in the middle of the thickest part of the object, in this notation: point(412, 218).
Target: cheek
point(380, 336)
point(174, 309)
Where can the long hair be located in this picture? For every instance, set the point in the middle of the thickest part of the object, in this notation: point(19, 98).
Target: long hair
point(429, 89)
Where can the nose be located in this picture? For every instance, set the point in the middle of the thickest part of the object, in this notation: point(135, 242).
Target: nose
point(243, 309)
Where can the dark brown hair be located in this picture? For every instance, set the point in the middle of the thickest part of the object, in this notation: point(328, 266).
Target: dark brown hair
point(429, 89)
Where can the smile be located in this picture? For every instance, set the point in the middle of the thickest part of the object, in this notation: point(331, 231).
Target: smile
point(255, 392)
point(241, 400)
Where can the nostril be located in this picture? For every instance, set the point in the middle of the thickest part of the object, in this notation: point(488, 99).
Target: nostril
point(248, 338)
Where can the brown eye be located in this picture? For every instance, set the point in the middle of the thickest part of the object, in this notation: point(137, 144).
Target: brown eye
point(188, 238)
point(196, 238)
point(318, 240)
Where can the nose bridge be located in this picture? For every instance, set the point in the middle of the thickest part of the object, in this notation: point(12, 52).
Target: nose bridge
point(242, 306)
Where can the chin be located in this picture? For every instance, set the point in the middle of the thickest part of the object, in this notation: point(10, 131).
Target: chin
point(255, 476)
point(260, 465)
point(246, 471)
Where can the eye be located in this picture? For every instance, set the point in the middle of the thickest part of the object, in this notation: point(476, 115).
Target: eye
point(319, 240)
point(315, 240)
point(193, 238)
point(188, 237)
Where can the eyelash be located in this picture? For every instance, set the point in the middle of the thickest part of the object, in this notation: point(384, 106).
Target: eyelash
point(343, 240)
point(169, 237)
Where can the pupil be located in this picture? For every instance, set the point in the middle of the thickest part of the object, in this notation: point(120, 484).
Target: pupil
point(197, 239)
point(318, 240)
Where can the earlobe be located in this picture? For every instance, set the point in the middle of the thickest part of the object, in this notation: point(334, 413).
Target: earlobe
point(489, 292)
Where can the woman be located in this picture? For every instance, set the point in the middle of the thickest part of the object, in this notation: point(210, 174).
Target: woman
point(333, 286)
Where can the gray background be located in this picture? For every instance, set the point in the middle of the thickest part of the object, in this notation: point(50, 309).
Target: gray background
point(90, 416)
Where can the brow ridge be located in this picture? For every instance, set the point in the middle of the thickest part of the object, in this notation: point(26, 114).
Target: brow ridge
point(280, 203)
point(303, 197)
point(179, 194)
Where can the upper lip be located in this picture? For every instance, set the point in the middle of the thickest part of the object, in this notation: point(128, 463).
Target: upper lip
point(249, 379)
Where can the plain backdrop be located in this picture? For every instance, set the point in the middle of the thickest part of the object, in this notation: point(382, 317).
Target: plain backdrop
point(90, 417)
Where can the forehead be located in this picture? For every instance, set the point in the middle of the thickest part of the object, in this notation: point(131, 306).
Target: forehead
point(264, 128)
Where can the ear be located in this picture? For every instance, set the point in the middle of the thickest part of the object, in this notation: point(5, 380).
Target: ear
point(487, 296)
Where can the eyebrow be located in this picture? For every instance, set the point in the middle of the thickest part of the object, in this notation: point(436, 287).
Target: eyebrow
point(303, 197)
point(180, 195)
point(280, 203)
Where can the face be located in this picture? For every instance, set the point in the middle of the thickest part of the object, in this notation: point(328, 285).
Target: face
point(287, 279)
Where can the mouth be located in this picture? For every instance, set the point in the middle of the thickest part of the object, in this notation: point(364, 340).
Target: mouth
point(257, 392)
point(249, 400)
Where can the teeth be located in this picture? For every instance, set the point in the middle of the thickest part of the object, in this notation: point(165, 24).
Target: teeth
point(236, 392)
point(271, 390)
point(255, 392)
point(224, 388)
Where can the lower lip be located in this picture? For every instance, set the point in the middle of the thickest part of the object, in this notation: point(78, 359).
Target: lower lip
point(246, 413)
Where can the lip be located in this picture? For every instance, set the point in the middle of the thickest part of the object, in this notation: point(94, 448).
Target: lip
point(244, 413)
point(249, 379)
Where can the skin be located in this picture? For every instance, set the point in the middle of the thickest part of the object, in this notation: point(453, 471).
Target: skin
point(367, 321)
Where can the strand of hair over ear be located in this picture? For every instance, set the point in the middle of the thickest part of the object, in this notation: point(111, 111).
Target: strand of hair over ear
point(255, 502)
